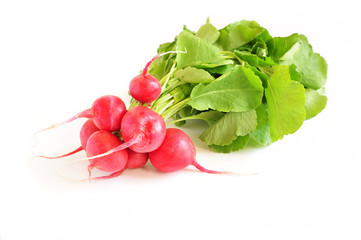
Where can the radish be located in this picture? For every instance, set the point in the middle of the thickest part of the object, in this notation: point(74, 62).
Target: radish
point(176, 152)
point(86, 131)
point(100, 142)
point(136, 160)
point(107, 113)
point(144, 87)
point(143, 130)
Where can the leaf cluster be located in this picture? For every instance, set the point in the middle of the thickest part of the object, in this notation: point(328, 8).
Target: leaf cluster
point(244, 83)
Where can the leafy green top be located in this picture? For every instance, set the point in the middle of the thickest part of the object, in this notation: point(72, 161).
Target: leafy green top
point(246, 84)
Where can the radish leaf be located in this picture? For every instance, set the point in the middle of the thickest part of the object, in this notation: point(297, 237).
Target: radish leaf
point(236, 91)
point(285, 102)
point(229, 127)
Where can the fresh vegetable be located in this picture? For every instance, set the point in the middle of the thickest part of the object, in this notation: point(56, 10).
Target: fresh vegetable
point(143, 131)
point(176, 152)
point(143, 128)
point(106, 112)
point(246, 84)
point(86, 131)
point(101, 142)
point(136, 159)
point(144, 87)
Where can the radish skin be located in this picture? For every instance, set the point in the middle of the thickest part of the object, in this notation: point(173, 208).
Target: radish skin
point(107, 113)
point(135, 159)
point(176, 152)
point(143, 130)
point(144, 87)
point(101, 142)
point(86, 131)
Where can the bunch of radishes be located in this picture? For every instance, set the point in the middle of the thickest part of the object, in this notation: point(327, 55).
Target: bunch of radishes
point(115, 138)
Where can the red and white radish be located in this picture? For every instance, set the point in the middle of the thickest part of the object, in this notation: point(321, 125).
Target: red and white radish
point(175, 153)
point(86, 131)
point(106, 112)
point(144, 87)
point(143, 130)
point(136, 159)
point(101, 142)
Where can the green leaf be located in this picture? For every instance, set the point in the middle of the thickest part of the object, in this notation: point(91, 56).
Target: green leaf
point(315, 102)
point(229, 127)
point(262, 136)
point(209, 116)
point(261, 75)
point(193, 75)
point(219, 63)
point(197, 49)
point(221, 69)
point(237, 91)
point(239, 143)
point(285, 101)
point(262, 116)
point(266, 61)
point(296, 50)
point(162, 65)
point(180, 123)
point(295, 76)
point(252, 59)
point(185, 112)
point(208, 33)
point(238, 34)
point(280, 47)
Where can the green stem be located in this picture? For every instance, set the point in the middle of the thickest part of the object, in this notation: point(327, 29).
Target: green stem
point(170, 88)
point(180, 119)
point(174, 109)
point(164, 108)
point(163, 82)
point(234, 56)
point(161, 100)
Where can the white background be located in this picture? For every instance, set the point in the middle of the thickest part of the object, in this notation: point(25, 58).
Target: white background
point(57, 57)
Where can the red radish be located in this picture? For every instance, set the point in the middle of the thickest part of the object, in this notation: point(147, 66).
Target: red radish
point(146, 88)
point(86, 131)
point(143, 130)
point(176, 152)
point(136, 160)
point(107, 113)
point(101, 142)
